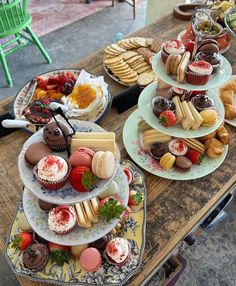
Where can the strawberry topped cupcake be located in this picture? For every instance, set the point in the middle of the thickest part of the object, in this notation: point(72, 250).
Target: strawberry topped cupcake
point(198, 72)
point(174, 47)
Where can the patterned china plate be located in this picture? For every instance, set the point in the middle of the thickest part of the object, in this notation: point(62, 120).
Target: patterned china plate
point(65, 195)
point(145, 109)
point(37, 218)
point(131, 140)
point(20, 97)
point(222, 75)
point(71, 274)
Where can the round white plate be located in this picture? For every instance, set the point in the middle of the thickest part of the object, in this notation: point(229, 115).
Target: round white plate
point(217, 91)
point(18, 104)
point(65, 195)
point(145, 109)
point(144, 160)
point(222, 75)
point(37, 218)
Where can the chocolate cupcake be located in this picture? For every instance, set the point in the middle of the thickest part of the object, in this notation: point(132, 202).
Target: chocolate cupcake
point(35, 257)
point(157, 150)
point(101, 243)
point(45, 206)
point(35, 152)
point(160, 104)
point(54, 137)
point(202, 101)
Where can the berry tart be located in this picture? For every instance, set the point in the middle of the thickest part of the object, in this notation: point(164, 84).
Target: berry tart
point(198, 72)
point(172, 47)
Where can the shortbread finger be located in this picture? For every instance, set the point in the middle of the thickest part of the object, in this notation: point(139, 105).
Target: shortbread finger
point(182, 66)
point(196, 115)
point(188, 120)
point(179, 109)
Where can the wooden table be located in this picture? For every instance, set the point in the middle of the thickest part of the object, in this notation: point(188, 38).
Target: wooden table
point(174, 208)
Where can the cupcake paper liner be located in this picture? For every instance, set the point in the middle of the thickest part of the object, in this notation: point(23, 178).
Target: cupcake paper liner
point(195, 79)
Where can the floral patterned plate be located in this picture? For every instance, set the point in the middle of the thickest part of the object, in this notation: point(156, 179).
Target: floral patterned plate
point(133, 229)
point(20, 99)
point(145, 109)
point(65, 195)
point(222, 75)
point(132, 144)
point(38, 218)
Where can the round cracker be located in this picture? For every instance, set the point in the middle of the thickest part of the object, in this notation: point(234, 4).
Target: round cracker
point(145, 78)
point(113, 60)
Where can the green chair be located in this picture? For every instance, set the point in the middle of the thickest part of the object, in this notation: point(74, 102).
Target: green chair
point(15, 21)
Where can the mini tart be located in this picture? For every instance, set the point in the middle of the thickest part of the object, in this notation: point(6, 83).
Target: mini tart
point(177, 147)
point(198, 72)
point(62, 219)
point(52, 172)
point(118, 251)
point(172, 47)
point(212, 58)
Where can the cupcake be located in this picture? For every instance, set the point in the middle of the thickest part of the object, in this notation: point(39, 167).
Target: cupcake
point(160, 104)
point(202, 101)
point(52, 172)
point(118, 251)
point(212, 58)
point(198, 72)
point(157, 150)
point(54, 137)
point(35, 257)
point(45, 206)
point(177, 147)
point(172, 47)
point(62, 219)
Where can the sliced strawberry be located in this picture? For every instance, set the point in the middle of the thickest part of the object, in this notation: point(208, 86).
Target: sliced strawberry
point(135, 198)
point(22, 240)
point(167, 118)
point(59, 253)
point(195, 156)
point(81, 178)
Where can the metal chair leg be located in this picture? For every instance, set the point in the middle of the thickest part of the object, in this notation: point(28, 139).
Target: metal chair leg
point(113, 3)
point(5, 68)
point(134, 12)
point(38, 44)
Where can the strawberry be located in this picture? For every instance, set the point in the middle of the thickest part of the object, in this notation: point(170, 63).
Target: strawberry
point(167, 118)
point(22, 240)
point(59, 253)
point(81, 178)
point(195, 156)
point(135, 198)
point(189, 46)
point(111, 208)
point(126, 213)
point(62, 79)
point(53, 81)
point(129, 175)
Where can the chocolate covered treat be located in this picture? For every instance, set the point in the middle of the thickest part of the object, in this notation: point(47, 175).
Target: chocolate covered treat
point(101, 243)
point(202, 101)
point(208, 45)
point(160, 104)
point(157, 150)
point(35, 257)
point(35, 152)
point(45, 206)
point(54, 137)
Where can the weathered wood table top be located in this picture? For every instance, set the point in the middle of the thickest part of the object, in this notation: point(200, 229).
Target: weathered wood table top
point(173, 207)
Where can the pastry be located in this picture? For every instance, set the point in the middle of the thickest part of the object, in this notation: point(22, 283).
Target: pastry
point(118, 251)
point(35, 257)
point(111, 190)
point(160, 104)
point(154, 136)
point(157, 150)
point(231, 85)
point(62, 219)
point(143, 125)
point(179, 109)
point(214, 148)
point(202, 101)
point(82, 156)
point(103, 164)
point(183, 66)
point(209, 117)
point(35, 152)
point(178, 147)
point(183, 164)
point(208, 136)
point(194, 144)
point(230, 111)
point(45, 206)
point(52, 172)
point(102, 242)
point(97, 141)
point(167, 161)
point(172, 47)
point(197, 117)
point(54, 135)
point(227, 96)
point(90, 259)
point(198, 72)
point(23, 223)
point(188, 120)
point(223, 135)
point(76, 250)
point(212, 58)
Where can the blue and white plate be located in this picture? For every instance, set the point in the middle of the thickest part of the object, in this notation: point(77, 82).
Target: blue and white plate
point(65, 195)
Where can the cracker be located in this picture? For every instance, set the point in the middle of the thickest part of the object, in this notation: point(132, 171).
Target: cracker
point(128, 54)
point(112, 53)
point(129, 80)
point(149, 41)
point(156, 45)
point(140, 65)
point(145, 78)
point(127, 75)
point(144, 69)
point(122, 68)
point(113, 60)
point(141, 42)
point(134, 59)
point(139, 61)
point(117, 65)
point(117, 48)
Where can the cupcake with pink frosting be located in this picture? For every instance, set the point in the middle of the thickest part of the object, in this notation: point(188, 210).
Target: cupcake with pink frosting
point(52, 172)
point(62, 219)
point(172, 47)
point(118, 251)
point(198, 72)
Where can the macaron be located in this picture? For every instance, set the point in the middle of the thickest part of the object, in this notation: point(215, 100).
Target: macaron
point(103, 164)
point(183, 163)
point(76, 250)
point(90, 259)
point(209, 117)
point(82, 156)
point(35, 152)
point(23, 223)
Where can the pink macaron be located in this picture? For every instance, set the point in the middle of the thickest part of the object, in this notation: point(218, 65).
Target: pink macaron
point(82, 156)
point(103, 164)
point(90, 259)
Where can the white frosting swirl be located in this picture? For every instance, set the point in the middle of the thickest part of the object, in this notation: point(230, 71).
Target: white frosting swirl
point(52, 168)
point(62, 219)
point(174, 47)
point(118, 249)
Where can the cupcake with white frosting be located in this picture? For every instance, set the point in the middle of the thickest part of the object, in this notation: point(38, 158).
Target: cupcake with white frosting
point(198, 72)
point(172, 47)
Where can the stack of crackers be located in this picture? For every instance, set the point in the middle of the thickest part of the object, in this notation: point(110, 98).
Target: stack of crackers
point(129, 60)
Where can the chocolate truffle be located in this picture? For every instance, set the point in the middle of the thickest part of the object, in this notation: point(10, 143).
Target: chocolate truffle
point(202, 101)
point(35, 152)
point(35, 256)
point(54, 137)
point(157, 150)
point(183, 163)
point(45, 206)
point(160, 104)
